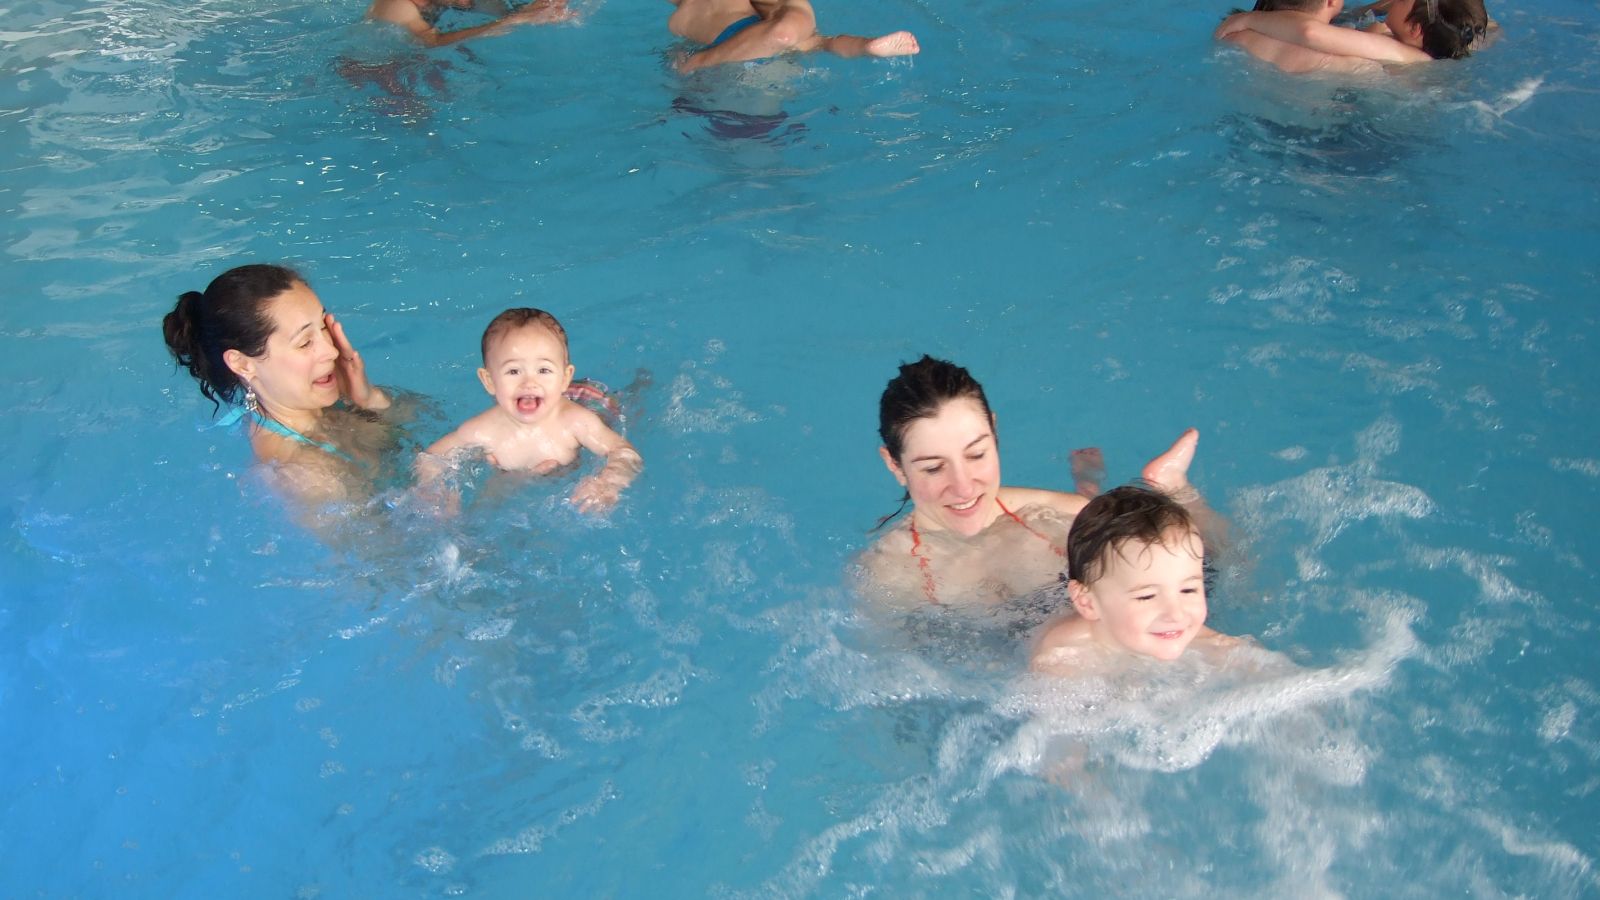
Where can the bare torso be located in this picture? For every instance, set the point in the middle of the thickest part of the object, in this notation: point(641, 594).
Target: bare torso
point(1018, 554)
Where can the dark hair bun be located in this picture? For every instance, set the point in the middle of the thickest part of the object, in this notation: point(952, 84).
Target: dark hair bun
point(231, 315)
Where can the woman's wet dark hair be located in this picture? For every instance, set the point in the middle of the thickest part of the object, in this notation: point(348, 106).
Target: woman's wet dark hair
point(1449, 27)
point(920, 390)
point(230, 315)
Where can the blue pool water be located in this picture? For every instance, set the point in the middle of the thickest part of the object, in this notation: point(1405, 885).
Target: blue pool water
point(1374, 298)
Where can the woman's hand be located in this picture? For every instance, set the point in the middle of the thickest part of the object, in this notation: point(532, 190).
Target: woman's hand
point(1237, 22)
point(352, 372)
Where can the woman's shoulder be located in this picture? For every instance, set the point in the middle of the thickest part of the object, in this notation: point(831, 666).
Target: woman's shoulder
point(1059, 502)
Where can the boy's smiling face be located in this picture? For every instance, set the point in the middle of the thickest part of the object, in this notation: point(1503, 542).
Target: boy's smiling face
point(527, 371)
point(1150, 599)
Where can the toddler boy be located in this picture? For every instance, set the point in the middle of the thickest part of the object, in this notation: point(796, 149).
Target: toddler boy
point(1135, 569)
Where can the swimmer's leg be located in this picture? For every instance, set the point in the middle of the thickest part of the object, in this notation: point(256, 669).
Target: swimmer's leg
point(1088, 472)
point(900, 43)
point(1170, 471)
point(792, 26)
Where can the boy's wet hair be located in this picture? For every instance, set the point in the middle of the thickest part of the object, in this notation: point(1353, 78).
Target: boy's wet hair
point(1117, 517)
point(521, 317)
point(1449, 27)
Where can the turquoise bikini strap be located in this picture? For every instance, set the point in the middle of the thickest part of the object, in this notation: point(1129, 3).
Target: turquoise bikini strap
point(276, 427)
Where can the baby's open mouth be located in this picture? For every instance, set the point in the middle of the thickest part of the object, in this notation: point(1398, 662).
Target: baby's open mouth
point(529, 405)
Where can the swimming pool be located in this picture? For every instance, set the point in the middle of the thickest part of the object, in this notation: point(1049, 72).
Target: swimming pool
point(1374, 299)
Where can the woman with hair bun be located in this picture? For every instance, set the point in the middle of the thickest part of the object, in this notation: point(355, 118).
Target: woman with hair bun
point(259, 338)
point(968, 539)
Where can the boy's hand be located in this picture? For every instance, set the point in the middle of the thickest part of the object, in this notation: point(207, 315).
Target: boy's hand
point(595, 495)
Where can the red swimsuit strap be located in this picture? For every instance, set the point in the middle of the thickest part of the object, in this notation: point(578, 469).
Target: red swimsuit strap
point(1018, 519)
point(922, 561)
point(926, 569)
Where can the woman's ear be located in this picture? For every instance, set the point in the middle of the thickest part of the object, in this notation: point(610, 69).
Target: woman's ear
point(894, 467)
point(1083, 600)
point(241, 365)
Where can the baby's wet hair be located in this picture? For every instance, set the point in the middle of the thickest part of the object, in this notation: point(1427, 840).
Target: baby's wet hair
point(1119, 516)
point(231, 314)
point(521, 317)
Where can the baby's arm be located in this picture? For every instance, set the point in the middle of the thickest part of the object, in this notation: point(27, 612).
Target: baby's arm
point(623, 463)
point(430, 468)
point(1304, 31)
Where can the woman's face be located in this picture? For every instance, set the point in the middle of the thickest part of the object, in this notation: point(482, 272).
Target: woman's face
point(950, 465)
point(296, 372)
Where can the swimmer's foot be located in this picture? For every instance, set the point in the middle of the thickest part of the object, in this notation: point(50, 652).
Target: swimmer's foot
point(1169, 472)
point(901, 43)
point(1088, 471)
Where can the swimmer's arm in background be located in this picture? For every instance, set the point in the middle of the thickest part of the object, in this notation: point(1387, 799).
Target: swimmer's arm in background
point(1304, 31)
point(623, 463)
point(1294, 58)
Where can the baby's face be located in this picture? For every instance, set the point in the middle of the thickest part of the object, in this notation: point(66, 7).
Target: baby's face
point(1149, 600)
point(527, 371)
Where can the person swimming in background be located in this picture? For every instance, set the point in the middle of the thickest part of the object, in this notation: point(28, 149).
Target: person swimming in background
point(743, 30)
point(534, 426)
point(1411, 31)
point(418, 16)
point(258, 336)
point(1293, 57)
point(1136, 576)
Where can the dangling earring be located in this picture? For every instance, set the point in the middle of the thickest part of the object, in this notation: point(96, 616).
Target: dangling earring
point(251, 405)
